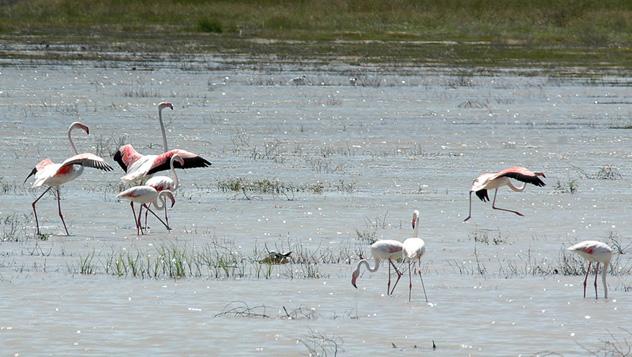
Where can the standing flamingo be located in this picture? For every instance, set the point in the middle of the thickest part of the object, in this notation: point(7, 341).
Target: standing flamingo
point(387, 249)
point(594, 251)
point(138, 166)
point(145, 195)
point(165, 183)
point(54, 175)
point(499, 179)
point(412, 251)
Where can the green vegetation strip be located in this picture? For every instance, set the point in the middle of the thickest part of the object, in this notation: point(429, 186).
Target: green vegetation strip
point(452, 32)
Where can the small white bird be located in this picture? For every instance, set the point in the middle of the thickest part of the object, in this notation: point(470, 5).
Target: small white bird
point(386, 249)
point(412, 251)
point(594, 251)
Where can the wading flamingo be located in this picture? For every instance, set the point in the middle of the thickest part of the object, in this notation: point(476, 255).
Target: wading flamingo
point(54, 175)
point(412, 251)
point(499, 179)
point(165, 183)
point(145, 195)
point(386, 249)
point(138, 166)
point(594, 251)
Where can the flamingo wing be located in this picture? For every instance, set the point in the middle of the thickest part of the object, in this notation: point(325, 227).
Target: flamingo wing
point(482, 194)
point(161, 162)
point(88, 160)
point(125, 156)
point(521, 174)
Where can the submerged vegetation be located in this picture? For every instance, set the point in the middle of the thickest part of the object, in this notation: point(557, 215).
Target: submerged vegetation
point(456, 32)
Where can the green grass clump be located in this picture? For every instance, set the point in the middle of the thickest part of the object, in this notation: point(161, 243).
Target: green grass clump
point(209, 25)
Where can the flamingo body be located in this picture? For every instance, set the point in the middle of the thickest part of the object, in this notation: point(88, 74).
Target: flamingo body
point(145, 195)
point(594, 252)
point(139, 166)
point(48, 173)
point(387, 249)
point(496, 180)
point(413, 250)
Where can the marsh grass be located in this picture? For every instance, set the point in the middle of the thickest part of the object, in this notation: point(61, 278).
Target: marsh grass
point(275, 188)
point(319, 344)
point(14, 227)
point(569, 186)
point(216, 260)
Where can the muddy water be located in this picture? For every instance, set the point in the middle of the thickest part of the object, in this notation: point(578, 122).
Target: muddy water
point(398, 140)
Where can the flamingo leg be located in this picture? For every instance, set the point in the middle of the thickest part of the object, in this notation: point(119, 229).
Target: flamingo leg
point(469, 215)
point(410, 282)
point(167, 218)
point(59, 209)
point(503, 209)
point(35, 211)
point(586, 277)
point(146, 213)
point(155, 215)
point(140, 212)
point(596, 273)
point(388, 285)
point(135, 220)
point(422, 280)
point(399, 275)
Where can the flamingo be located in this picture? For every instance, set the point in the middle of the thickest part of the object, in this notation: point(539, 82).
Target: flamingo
point(387, 249)
point(499, 179)
point(412, 251)
point(138, 166)
point(165, 182)
point(145, 195)
point(594, 251)
point(54, 175)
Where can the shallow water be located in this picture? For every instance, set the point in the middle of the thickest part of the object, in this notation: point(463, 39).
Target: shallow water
point(400, 140)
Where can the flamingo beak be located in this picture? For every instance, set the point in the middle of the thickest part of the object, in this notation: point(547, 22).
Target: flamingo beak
point(354, 277)
point(33, 172)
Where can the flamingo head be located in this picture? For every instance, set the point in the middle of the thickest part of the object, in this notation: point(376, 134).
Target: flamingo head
point(163, 105)
point(354, 278)
point(415, 218)
point(79, 125)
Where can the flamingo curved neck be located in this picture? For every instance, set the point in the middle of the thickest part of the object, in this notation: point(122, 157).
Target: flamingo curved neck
point(368, 267)
point(162, 129)
point(516, 189)
point(416, 230)
point(72, 144)
point(175, 177)
point(160, 202)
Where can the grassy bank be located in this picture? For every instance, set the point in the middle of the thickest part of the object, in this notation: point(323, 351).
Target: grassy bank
point(487, 32)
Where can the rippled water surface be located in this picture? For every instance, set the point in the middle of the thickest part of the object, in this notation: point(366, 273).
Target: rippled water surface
point(348, 164)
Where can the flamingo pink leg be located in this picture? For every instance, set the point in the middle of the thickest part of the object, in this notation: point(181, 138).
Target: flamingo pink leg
point(503, 209)
point(59, 208)
point(596, 273)
point(166, 217)
point(35, 211)
point(138, 229)
point(586, 277)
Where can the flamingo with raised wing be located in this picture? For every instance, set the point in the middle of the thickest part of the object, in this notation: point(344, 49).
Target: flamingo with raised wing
point(138, 167)
point(54, 175)
point(495, 180)
point(145, 195)
point(387, 249)
point(594, 251)
point(413, 250)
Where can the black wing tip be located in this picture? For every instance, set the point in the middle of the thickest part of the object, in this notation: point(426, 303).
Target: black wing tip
point(482, 194)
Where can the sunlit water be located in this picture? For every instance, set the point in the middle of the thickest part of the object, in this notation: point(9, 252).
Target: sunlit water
point(399, 140)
